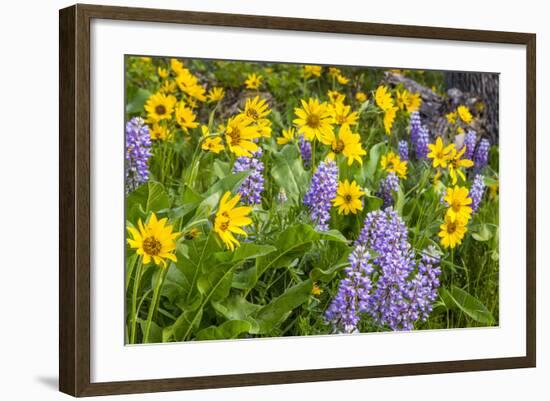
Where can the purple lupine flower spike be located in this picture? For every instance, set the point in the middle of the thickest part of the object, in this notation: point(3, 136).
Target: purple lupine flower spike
point(481, 156)
point(403, 150)
point(414, 125)
point(470, 142)
point(138, 152)
point(252, 187)
point(423, 287)
point(321, 193)
point(388, 186)
point(353, 292)
point(305, 150)
point(476, 191)
point(422, 142)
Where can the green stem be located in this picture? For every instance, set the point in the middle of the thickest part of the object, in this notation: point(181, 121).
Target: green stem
point(133, 314)
point(154, 304)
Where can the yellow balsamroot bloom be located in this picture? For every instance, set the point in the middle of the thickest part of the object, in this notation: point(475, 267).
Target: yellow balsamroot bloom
point(215, 94)
point(185, 117)
point(229, 220)
point(287, 137)
point(257, 110)
point(168, 86)
point(412, 102)
point(253, 81)
point(348, 198)
point(312, 71)
point(456, 163)
point(163, 72)
point(154, 241)
point(361, 97)
point(383, 98)
point(213, 145)
point(451, 117)
point(389, 118)
point(176, 66)
point(342, 80)
point(188, 83)
point(160, 133)
point(335, 97)
point(159, 107)
point(314, 119)
point(452, 232)
point(315, 290)
point(239, 136)
point(464, 114)
point(393, 163)
point(347, 143)
point(333, 71)
point(440, 153)
point(342, 115)
point(459, 203)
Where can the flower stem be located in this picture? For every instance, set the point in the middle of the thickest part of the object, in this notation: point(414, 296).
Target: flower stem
point(133, 314)
point(154, 304)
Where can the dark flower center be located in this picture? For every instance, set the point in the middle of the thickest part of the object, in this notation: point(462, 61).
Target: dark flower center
point(313, 121)
point(338, 146)
point(160, 110)
point(451, 227)
point(252, 113)
point(152, 246)
point(348, 198)
point(235, 136)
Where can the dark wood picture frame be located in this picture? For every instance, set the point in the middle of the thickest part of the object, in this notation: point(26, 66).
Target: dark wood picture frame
point(74, 199)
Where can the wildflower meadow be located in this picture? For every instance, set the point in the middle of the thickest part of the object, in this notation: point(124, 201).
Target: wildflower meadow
point(270, 199)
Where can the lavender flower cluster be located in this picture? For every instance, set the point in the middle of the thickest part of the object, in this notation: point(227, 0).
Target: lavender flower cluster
point(388, 185)
point(353, 292)
point(403, 150)
point(476, 191)
point(481, 156)
point(138, 152)
point(322, 191)
point(305, 150)
point(420, 136)
point(401, 295)
point(470, 141)
point(252, 187)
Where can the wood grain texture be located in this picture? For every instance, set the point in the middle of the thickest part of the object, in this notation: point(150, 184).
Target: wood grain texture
point(74, 199)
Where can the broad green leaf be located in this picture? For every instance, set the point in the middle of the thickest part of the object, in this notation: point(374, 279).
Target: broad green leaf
point(245, 251)
point(289, 174)
point(220, 168)
point(227, 330)
point(235, 308)
point(471, 306)
point(292, 243)
point(483, 233)
point(150, 197)
point(372, 203)
point(278, 310)
point(374, 159)
point(135, 105)
point(215, 284)
point(400, 201)
point(185, 324)
point(155, 332)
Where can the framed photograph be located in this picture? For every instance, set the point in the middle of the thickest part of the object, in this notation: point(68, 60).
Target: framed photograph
point(250, 200)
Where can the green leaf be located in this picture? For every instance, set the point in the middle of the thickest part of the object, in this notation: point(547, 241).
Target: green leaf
point(220, 168)
point(471, 306)
point(236, 308)
point(374, 159)
point(372, 203)
point(227, 330)
point(155, 332)
point(280, 308)
point(245, 251)
point(215, 284)
point(483, 233)
point(289, 174)
point(150, 197)
point(187, 322)
point(290, 244)
point(135, 105)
